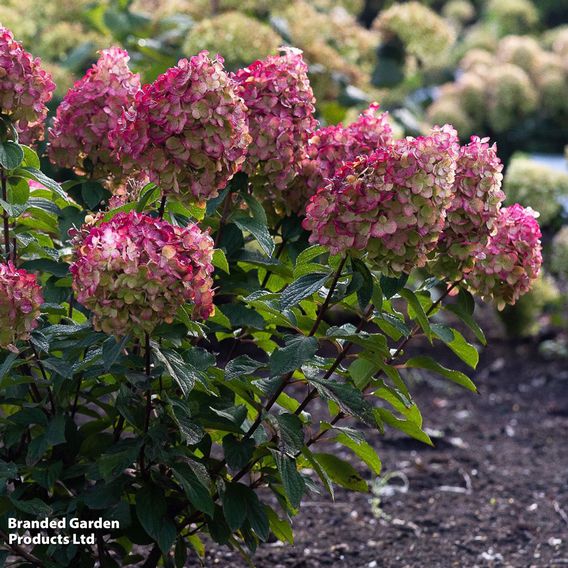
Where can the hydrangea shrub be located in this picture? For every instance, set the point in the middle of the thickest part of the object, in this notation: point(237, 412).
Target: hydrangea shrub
point(152, 341)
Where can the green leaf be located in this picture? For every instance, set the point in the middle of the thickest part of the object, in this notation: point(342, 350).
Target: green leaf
point(416, 311)
point(307, 255)
point(35, 507)
point(220, 260)
point(291, 432)
point(293, 483)
point(281, 528)
point(240, 503)
point(11, 155)
point(341, 472)
point(325, 479)
point(190, 431)
point(182, 372)
point(237, 452)
point(112, 349)
point(363, 450)
point(348, 398)
point(467, 318)
point(240, 366)
point(55, 433)
point(149, 193)
point(31, 158)
point(196, 492)
point(391, 286)
point(119, 458)
point(40, 177)
point(151, 512)
point(407, 426)
point(302, 288)
point(59, 269)
point(298, 350)
point(258, 230)
point(365, 292)
point(457, 343)
point(425, 362)
point(19, 193)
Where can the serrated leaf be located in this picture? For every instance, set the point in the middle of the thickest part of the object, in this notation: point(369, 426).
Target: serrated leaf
point(391, 286)
point(293, 483)
point(40, 177)
point(112, 349)
point(151, 512)
point(295, 353)
point(457, 343)
point(416, 311)
point(241, 365)
point(363, 450)
point(240, 503)
point(220, 260)
point(365, 291)
point(281, 528)
point(258, 230)
point(291, 432)
point(425, 362)
point(182, 372)
point(237, 452)
point(348, 398)
point(302, 288)
point(190, 431)
point(407, 426)
point(11, 155)
point(341, 472)
point(196, 492)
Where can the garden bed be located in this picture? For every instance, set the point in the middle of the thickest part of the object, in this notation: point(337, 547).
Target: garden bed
point(493, 492)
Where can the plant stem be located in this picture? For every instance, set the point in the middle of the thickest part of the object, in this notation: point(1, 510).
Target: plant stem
point(394, 356)
point(224, 215)
point(148, 371)
point(162, 208)
point(44, 376)
point(339, 359)
point(286, 378)
point(5, 216)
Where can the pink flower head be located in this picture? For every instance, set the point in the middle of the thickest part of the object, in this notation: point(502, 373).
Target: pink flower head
point(20, 301)
point(25, 88)
point(391, 203)
point(280, 100)
point(332, 146)
point(134, 272)
point(90, 110)
point(508, 266)
point(472, 216)
point(188, 130)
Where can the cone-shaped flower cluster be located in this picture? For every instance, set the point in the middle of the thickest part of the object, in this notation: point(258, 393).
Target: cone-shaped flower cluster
point(25, 88)
point(511, 261)
point(134, 272)
point(187, 130)
point(90, 110)
point(332, 146)
point(472, 216)
point(20, 301)
point(280, 100)
point(391, 203)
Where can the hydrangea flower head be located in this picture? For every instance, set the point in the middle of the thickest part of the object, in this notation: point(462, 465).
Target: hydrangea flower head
point(25, 88)
point(89, 111)
point(472, 216)
point(20, 301)
point(280, 100)
point(511, 261)
point(391, 203)
point(134, 272)
point(188, 130)
point(332, 146)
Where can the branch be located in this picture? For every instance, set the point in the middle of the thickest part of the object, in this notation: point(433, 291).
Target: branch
point(17, 549)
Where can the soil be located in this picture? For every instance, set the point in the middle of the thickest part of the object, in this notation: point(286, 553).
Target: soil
point(492, 492)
